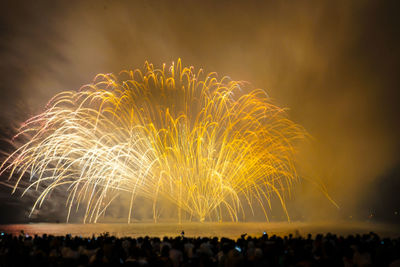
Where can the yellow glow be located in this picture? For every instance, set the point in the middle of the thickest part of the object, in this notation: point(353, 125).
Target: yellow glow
point(163, 134)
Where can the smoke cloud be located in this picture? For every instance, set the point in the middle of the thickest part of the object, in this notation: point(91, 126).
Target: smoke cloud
point(333, 64)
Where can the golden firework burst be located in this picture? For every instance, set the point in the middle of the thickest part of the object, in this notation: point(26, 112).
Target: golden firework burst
point(168, 134)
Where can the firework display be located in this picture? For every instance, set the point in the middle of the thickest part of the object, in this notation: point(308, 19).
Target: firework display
point(203, 144)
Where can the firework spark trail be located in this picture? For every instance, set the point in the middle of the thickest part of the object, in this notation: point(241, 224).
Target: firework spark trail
point(164, 134)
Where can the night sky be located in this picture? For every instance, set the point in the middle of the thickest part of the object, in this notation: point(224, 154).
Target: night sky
point(334, 64)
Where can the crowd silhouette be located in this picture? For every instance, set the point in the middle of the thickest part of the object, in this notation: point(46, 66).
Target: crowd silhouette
point(106, 250)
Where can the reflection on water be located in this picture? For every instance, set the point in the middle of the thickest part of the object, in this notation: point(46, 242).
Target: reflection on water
point(232, 230)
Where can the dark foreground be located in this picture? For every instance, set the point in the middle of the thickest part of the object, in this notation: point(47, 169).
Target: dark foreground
point(105, 250)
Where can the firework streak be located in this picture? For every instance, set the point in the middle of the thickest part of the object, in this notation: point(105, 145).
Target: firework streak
point(168, 134)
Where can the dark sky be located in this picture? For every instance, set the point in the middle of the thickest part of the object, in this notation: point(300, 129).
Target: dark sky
point(334, 64)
